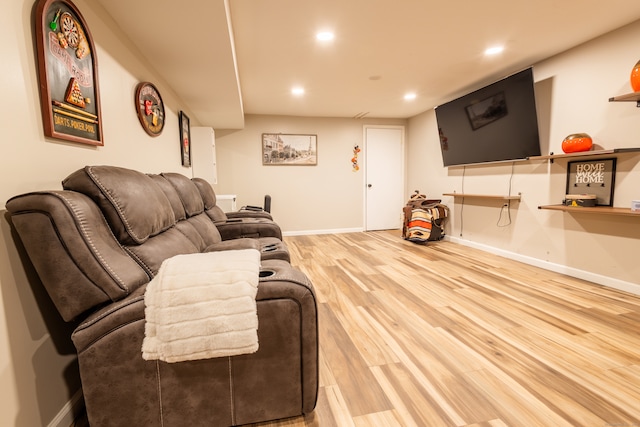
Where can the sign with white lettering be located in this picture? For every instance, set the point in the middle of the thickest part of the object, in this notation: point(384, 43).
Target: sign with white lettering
point(69, 97)
point(593, 177)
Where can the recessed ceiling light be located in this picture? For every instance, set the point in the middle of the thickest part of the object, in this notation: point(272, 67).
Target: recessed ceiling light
point(297, 91)
point(410, 96)
point(494, 50)
point(325, 36)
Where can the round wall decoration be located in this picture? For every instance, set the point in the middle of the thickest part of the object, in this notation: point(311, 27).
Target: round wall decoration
point(150, 108)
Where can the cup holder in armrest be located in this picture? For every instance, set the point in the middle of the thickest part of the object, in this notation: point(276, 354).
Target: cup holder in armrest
point(266, 273)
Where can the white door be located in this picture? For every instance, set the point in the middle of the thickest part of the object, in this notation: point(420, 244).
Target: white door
point(384, 177)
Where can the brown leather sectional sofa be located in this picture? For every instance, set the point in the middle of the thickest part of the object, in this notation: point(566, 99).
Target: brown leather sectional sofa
point(98, 242)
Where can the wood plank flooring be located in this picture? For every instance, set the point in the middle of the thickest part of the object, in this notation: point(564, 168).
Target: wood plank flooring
point(446, 335)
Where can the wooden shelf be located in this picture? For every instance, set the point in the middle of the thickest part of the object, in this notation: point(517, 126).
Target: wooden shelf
point(586, 153)
point(482, 196)
point(629, 97)
point(601, 210)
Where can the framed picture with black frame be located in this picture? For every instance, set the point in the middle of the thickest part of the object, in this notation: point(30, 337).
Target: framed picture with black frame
point(592, 177)
point(185, 138)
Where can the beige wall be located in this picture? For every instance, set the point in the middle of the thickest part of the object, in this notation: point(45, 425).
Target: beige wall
point(324, 198)
point(38, 374)
point(572, 92)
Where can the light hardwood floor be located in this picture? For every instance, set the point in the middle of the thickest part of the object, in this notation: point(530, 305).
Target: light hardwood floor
point(446, 335)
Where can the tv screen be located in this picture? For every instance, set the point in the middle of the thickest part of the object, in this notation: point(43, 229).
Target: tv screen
point(492, 124)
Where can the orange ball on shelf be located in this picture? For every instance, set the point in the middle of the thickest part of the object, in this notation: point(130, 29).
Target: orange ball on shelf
point(577, 142)
point(635, 77)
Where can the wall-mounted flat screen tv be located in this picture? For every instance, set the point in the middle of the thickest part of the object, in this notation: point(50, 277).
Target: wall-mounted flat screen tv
point(492, 124)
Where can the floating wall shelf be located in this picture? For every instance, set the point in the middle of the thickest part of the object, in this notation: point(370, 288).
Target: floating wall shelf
point(629, 97)
point(601, 210)
point(586, 153)
point(482, 196)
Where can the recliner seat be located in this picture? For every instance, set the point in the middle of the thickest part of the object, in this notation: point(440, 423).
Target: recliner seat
point(96, 245)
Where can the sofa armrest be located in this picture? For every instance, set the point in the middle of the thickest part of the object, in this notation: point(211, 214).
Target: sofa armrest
point(280, 380)
point(75, 253)
point(249, 213)
point(234, 244)
point(248, 227)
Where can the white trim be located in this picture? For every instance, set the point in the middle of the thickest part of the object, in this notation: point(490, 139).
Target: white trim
point(67, 414)
point(610, 282)
point(311, 232)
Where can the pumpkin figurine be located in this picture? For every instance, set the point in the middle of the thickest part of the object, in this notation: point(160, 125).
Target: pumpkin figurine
point(635, 77)
point(577, 142)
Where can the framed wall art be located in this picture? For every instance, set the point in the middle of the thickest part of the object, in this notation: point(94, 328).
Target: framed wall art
point(150, 108)
point(185, 138)
point(68, 74)
point(593, 177)
point(289, 149)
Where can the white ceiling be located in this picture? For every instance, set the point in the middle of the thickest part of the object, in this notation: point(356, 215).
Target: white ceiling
point(227, 58)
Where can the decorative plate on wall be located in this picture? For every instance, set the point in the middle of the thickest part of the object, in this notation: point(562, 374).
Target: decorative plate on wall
point(150, 108)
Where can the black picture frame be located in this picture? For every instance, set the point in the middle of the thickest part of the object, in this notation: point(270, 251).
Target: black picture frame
point(593, 177)
point(185, 138)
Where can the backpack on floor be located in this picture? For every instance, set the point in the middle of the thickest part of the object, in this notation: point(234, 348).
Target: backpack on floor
point(424, 219)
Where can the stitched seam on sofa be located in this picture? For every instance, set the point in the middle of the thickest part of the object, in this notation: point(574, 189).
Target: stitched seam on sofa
point(83, 231)
point(142, 264)
point(118, 306)
point(159, 393)
point(110, 331)
point(115, 204)
point(232, 397)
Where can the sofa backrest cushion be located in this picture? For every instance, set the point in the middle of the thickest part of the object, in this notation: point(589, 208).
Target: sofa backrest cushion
point(188, 192)
point(169, 190)
point(210, 200)
point(135, 207)
point(206, 192)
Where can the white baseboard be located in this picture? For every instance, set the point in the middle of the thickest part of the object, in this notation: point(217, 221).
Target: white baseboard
point(310, 232)
point(66, 416)
point(630, 287)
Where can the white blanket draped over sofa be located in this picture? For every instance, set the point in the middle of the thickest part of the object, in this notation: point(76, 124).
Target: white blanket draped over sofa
point(201, 306)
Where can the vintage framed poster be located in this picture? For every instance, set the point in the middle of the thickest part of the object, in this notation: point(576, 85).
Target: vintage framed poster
point(68, 74)
point(185, 138)
point(289, 150)
point(593, 177)
point(149, 108)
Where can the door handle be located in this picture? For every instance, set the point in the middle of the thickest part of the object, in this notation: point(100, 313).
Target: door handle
point(369, 185)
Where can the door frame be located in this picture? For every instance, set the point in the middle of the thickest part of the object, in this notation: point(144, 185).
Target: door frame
point(365, 166)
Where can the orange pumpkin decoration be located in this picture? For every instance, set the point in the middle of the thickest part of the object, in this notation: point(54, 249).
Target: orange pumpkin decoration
point(576, 143)
point(635, 77)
